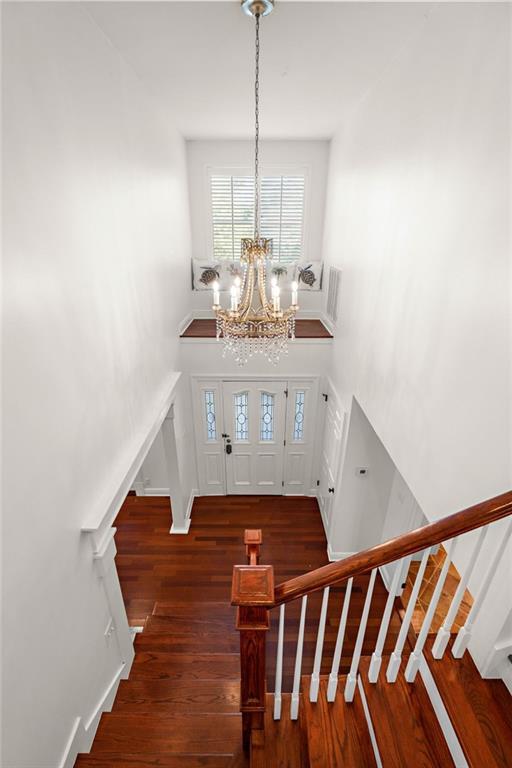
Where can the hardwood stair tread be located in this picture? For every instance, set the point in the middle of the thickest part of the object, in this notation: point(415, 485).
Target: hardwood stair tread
point(406, 727)
point(200, 642)
point(337, 732)
point(477, 708)
point(217, 609)
point(179, 733)
point(149, 665)
point(140, 696)
point(154, 760)
point(187, 625)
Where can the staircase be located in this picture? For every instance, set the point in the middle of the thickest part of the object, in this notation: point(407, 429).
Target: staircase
point(377, 691)
point(419, 703)
point(180, 705)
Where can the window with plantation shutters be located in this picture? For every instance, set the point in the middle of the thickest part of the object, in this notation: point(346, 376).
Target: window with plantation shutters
point(281, 214)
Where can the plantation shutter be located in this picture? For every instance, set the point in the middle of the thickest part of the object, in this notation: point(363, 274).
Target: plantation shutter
point(281, 214)
point(232, 213)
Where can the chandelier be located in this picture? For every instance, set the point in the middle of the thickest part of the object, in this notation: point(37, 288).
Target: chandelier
point(255, 324)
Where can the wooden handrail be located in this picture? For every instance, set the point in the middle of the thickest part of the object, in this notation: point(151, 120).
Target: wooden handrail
point(395, 549)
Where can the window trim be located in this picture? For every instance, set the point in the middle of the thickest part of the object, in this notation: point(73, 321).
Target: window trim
point(291, 169)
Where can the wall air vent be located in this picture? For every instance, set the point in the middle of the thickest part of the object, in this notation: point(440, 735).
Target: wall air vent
point(333, 294)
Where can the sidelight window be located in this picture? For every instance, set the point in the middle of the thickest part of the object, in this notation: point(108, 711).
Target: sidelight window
point(209, 406)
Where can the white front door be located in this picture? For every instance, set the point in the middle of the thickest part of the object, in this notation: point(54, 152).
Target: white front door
point(254, 425)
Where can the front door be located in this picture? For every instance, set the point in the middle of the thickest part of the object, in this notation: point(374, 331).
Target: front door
point(254, 433)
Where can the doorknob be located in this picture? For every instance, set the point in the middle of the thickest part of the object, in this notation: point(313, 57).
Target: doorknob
point(331, 490)
point(229, 448)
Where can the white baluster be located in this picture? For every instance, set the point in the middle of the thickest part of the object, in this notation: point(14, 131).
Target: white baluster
point(396, 656)
point(294, 707)
point(315, 677)
point(279, 665)
point(335, 668)
point(443, 634)
point(413, 664)
point(350, 685)
point(402, 568)
point(464, 634)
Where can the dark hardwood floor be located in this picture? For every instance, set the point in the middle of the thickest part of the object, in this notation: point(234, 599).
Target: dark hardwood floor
point(180, 705)
point(304, 329)
point(186, 667)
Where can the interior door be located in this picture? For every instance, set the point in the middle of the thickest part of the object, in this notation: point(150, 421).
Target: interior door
point(254, 424)
point(330, 459)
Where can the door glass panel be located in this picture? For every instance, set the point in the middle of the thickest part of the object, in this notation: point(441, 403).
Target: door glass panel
point(298, 424)
point(242, 416)
point(209, 406)
point(267, 417)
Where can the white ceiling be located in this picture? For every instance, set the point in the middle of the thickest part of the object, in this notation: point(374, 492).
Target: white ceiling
point(318, 60)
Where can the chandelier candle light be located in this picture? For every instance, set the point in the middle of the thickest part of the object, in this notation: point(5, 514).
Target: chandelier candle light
point(253, 324)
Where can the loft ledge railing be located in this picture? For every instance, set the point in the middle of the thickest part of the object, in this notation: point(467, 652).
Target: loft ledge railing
point(254, 594)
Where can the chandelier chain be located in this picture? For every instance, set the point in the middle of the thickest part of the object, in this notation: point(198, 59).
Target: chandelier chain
point(257, 130)
point(253, 324)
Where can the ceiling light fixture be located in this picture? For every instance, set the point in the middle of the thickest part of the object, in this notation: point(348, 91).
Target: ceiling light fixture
point(254, 324)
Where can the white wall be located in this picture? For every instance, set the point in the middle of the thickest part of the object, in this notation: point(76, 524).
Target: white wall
point(362, 500)
point(275, 157)
point(417, 206)
point(154, 469)
point(96, 234)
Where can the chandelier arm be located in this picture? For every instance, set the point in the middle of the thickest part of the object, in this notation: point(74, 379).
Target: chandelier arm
point(265, 306)
point(246, 304)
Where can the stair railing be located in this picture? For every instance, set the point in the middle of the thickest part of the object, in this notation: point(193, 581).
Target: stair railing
point(254, 594)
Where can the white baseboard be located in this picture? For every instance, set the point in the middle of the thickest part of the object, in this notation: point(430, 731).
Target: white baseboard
point(442, 715)
point(185, 322)
point(73, 744)
point(181, 530)
point(156, 491)
point(139, 488)
point(334, 556)
point(83, 731)
point(369, 723)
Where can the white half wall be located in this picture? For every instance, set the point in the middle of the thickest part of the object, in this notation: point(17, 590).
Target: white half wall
point(96, 276)
point(417, 217)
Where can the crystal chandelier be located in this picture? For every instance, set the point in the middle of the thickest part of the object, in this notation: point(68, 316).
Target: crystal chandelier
point(254, 324)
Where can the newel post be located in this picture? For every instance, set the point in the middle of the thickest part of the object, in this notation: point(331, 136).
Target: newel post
point(253, 594)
